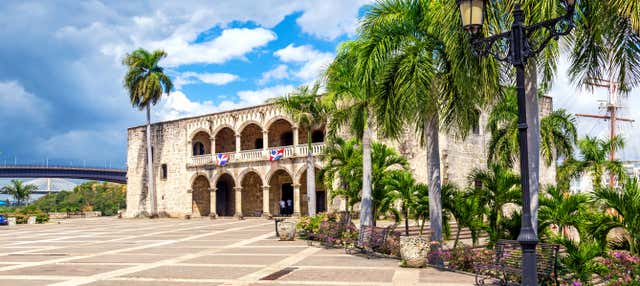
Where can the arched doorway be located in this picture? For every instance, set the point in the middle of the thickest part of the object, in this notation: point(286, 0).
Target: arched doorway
point(251, 137)
point(201, 145)
point(201, 197)
point(280, 133)
point(281, 189)
point(252, 195)
point(225, 196)
point(225, 141)
point(321, 194)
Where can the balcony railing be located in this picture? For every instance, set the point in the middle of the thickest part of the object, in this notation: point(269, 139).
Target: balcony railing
point(258, 154)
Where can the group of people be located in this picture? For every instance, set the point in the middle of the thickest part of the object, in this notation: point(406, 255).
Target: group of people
point(286, 207)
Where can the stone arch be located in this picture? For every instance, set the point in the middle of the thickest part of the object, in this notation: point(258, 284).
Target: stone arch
point(251, 202)
point(280, 133)
point(201, 143)
point(298, 174)
point(273, 171)
point(248, 122)
point(200, 196)
point(247, 171)
point(196, 175)
point(198, 130)
point(220, 127)
point(225, 140)
point(276, 118)
point(225, 194)
point(251, 137)
point(281, 188)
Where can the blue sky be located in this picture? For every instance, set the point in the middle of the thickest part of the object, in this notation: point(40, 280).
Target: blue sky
point(61, 94)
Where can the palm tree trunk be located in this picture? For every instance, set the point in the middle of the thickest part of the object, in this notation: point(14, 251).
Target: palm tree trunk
point(455, 244)
point(433, 168)
point(311, 176)
point(150, 181)
point(366, 210)
point(533, 139)
point(406, 222)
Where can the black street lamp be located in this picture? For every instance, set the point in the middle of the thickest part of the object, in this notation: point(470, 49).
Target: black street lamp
point(516, 47)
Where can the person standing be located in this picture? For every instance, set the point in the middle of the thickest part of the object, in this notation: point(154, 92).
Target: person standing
point(282, 207)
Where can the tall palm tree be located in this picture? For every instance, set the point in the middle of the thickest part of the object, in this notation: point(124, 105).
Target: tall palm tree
point(20, 191)
point(593, 160)
point(399, 186)
point(626, 203)
point(499, 186)
point(308, 111)
point(343, 164)
point(561, 209)
point(558, 133)
point(415, 64)
point(146, 82)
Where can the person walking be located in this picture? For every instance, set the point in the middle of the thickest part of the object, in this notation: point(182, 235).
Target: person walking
point(282, 207)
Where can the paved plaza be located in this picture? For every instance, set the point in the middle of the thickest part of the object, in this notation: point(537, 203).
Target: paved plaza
point(143, 252)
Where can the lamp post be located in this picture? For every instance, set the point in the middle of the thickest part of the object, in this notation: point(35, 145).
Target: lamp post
point(516, 47)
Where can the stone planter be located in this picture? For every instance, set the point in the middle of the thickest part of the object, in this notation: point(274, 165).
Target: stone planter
point(414, 250)
point(31, 220)
point(287, 230)
point(11, 221)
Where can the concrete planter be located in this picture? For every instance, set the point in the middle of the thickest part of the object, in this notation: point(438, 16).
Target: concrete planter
point(287, 230)
point(11, 221)
point(414, 250)
point(31, 220)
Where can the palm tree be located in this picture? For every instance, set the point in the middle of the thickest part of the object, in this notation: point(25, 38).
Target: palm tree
point(19, 191)
point(146, 82)
point(593, 160)
point(420, 207)
point(383, 161)
point(415, 65)
point(343, 162)
point(399, 186)
point(563, 210)
point(308, 111)
point(558, 133)
point(499, 186)
point(467, 210)
point(626, 203)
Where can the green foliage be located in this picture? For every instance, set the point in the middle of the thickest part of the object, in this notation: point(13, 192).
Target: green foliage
point(593, 160)
point(22, 214)
point(467, 210)
point(145, 79)
point(90, 196)
point(343, 166)
point(19, 191)
point(579, 262)
point(560, 212)
point(626, 215)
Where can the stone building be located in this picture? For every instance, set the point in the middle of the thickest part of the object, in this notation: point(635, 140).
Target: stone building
point(189, 182)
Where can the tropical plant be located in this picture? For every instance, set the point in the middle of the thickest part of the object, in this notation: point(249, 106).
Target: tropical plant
point(399, 186)
point(498, 186)
point(343, 166)
point(561, 210)
point(414, 62)
point(558, 133)
point(420, 207)
point(20, 191)
point(467, 210)
point(626, 215)
point(578, 263)
point(307, 109)
point(593, 160)
point(384, 159)
point(145, 82)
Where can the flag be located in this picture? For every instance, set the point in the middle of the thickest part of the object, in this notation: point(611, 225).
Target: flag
point(222, 159)
point(276, 154)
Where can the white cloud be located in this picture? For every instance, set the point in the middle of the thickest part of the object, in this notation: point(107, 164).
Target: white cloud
point(186, 78)
point(279, 72)
point(16, 102)
point(310, 61)
point(328, 19)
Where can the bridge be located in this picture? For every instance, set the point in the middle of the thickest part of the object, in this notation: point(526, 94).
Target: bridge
point(66, 172)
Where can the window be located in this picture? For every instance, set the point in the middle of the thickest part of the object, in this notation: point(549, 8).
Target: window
point(198, 149)
point(286, 138)
point(164, 171)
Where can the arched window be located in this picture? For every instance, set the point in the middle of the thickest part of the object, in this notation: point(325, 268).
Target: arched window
point(198, 149)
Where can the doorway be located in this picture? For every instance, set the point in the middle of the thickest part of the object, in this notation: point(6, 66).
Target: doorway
point(287, 198)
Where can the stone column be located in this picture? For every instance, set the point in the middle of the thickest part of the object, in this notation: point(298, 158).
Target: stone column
point(265, 201)
point(265, 140)
point(212, 203)
point(296, 200)
point(238, 143)
point(238, 201)
point(213, 145)
point(295, 139)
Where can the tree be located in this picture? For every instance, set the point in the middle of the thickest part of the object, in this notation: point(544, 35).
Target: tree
point(593, 160)
point(563, 210)
point(420, 207)
point(383, 161)
point(399, 186)
point(146, 82)
point(416, 63)
point(343, 163)
point(19, 191)
point(558, 133)
point(499, 186)
point(308, 111)
point(626, 215)
point(467, 210)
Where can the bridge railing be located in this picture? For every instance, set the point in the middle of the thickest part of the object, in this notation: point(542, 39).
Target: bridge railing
point(67, 167)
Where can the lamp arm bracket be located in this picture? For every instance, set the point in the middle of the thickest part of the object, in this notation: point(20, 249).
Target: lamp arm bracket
point(496, 46)
point(555, 28)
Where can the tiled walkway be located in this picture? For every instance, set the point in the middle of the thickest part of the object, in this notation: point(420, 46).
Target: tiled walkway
point(196, 252)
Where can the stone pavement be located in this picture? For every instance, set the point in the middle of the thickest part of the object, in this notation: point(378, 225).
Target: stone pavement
point(143, 252)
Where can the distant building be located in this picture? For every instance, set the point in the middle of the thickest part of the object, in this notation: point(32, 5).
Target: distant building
point(190, 181)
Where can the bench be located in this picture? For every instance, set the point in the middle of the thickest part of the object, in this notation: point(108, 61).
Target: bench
point(507, 264)
point(377, 239)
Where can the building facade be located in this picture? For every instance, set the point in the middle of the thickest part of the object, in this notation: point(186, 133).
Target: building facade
point(189, 180)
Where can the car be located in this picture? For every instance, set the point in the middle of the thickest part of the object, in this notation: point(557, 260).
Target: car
point(3, 220)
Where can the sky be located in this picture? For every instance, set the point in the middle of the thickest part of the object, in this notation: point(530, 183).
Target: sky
point(61, 93)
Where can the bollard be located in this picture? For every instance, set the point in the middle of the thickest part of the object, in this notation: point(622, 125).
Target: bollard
point(12, 221)
point(31, 220)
